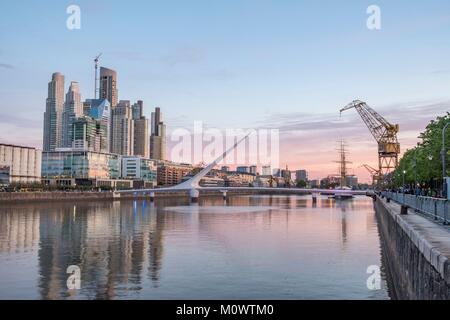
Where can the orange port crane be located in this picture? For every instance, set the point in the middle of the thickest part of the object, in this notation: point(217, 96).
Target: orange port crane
point(384, 133)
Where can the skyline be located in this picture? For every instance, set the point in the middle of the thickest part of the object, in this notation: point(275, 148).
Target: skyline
point(194, 59)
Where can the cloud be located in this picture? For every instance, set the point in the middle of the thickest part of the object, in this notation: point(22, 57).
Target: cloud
point(7, 66)
point(20, 122)
point(309, 140)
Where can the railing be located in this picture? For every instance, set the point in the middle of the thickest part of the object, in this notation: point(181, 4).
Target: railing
point(438, 209)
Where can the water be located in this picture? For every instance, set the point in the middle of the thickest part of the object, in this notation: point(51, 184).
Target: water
point(252, 247)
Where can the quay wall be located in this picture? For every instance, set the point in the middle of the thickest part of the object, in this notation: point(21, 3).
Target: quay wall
point(417, 253)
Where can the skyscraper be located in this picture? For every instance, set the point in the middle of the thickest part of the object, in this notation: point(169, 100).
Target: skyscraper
point(73, 108)
point(122, 129)
point(141, 137)
point(100, 110)
point(53, 113)
point(158, 136)
point(108, 86)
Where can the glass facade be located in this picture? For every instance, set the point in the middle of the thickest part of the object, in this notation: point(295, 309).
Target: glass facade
point(80, 165)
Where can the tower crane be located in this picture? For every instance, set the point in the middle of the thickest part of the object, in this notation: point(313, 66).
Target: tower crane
point(96, 60)
point(384, 133)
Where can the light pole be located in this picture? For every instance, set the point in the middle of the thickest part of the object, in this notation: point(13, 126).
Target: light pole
point(444, 156)
point(404, 172)
point(415, 168)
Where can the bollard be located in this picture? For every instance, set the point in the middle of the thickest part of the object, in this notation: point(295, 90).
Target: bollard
point(404, 210)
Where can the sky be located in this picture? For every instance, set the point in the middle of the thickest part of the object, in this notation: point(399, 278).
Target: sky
point(285, 64)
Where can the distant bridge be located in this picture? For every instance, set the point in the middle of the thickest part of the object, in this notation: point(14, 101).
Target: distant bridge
point(192, 186)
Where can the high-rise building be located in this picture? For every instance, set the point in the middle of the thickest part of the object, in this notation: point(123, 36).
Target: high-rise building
point(100, 110)
point(158, 136)
point(53, 113)
point(253, 169)
point(108, 86)
point(89, 134)
point(122, 129)
point(73, 108)
point(141, 135)
point(138, 110)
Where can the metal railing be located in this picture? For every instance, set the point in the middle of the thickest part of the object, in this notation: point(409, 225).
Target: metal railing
point(438, 209)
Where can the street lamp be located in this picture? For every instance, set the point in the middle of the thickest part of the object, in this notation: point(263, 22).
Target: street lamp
point(444, 155)
point(404, 172)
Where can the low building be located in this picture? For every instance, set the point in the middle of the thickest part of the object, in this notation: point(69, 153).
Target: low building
point(170, 174)
point(266, 171)
point(243, 169)
point(301, 175)
point(74, 164)
point(140, 169)
point(19, 164)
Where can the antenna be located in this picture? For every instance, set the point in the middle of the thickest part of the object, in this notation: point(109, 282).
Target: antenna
point(96, 60)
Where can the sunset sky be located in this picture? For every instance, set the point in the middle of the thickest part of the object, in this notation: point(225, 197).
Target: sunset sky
point(289, 65)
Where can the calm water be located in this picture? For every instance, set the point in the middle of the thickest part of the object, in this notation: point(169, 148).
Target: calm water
point(251, 247)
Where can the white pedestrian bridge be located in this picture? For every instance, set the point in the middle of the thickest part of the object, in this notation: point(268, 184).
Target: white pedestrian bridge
point(192, 186)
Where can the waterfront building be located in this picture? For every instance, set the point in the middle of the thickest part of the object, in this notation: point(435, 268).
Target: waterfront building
point(243, 169)
point(122, 129)
point(225, 168)
point(253, 170)
point(301, 175)
point(139, 168)
point(266, 171)
point(52, 138)
point(80, 164)
point(351, 181)
point(108, 86)
point(19, 164)
point(73, 108)
point(138, 110)
point(170, 174)
point(158, 136)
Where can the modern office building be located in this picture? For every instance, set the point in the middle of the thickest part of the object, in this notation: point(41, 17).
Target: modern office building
point(301, 175)
point(122, 129)
point(73, 108)
point(253, 169)
point(158, 136)
point(225, 168)
point(74, 164)
point(89, 134)
point(351, 181)
point(100, 110)
point(19, 164)
point(141, 144)
point(108, 86)
point(52, 138)
point(138, 168)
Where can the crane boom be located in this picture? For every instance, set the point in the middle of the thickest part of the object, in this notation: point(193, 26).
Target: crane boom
point(384, 133)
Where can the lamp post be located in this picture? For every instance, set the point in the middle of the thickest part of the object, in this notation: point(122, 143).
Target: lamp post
point(444, 156)
point(404, 172)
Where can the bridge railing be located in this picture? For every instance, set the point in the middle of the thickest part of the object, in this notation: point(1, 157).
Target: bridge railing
point(438, 209)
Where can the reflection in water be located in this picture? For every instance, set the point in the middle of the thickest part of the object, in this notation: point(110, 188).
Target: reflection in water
point(257, 247)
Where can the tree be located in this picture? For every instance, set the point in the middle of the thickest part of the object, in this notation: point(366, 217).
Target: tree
point(427, 153)
point(301, 184)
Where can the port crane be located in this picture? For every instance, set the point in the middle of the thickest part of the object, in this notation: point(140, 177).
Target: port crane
point(374, 173)
point(384, 133)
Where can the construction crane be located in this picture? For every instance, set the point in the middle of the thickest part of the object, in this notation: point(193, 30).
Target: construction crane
point(374, 173)
point(384, 133)
point(96, 60)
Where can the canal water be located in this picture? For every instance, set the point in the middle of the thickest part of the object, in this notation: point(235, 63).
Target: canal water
point(249, 247)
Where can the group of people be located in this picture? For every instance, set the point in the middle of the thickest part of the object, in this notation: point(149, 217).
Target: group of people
point(419, 190)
